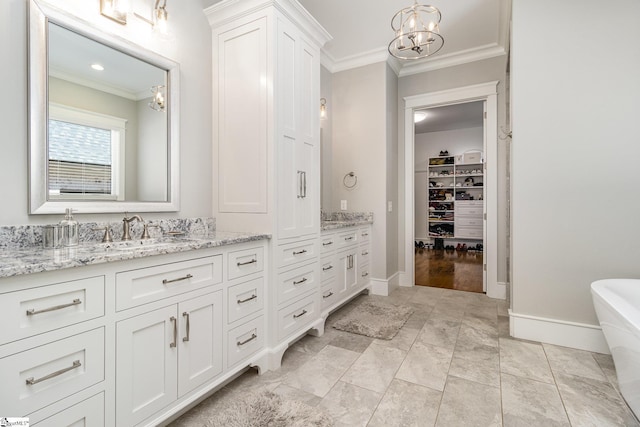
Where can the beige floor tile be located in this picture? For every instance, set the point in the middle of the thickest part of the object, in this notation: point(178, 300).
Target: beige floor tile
point(477, 335)
point(353, 342)
point(375, 368)
point(524, 359)
point(591, 402)
point(476, 362)
point(442, 332)
point(469, 404)
point(322, 371)
point(608, 367)
point(349, 405)
point(531, 403)
point(406, 405)
point(573, 362)
point(288, 392)
point(426, 365)
point(403, 340)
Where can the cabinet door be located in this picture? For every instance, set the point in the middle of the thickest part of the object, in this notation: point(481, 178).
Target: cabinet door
point(347, 277)
point(199, 341)
point(146, 358)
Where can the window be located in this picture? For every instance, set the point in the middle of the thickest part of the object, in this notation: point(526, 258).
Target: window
point(85, 154)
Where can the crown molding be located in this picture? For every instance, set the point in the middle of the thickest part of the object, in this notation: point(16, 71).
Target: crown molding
point(458, 58)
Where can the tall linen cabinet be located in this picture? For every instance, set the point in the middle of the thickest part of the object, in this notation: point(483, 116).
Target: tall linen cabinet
point(266, 136)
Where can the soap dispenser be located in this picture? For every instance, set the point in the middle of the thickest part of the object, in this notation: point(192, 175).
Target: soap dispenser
point(69, 229)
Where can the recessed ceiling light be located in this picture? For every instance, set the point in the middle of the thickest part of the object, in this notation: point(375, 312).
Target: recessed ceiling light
point(419, 116)
point(97, 67)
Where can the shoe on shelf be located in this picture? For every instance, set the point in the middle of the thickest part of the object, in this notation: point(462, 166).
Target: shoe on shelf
point(464, 247)
point(446, 153)
point(441, 153)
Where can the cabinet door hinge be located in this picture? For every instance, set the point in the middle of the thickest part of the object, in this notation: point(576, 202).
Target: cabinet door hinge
point(485, 114)
point(484, 267)
point(485, 216)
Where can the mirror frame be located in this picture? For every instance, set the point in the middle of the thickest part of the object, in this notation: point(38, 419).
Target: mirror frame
point(40, 15)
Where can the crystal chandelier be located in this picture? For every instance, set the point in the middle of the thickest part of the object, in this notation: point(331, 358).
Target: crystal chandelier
point(417, 32)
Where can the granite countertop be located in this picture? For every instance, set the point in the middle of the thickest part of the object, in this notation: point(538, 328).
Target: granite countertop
point(35, 259)
point(334, 225)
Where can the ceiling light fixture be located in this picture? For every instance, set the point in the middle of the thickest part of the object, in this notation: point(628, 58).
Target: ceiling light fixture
point(417, 32)
point(419, 116)
point(97, 67)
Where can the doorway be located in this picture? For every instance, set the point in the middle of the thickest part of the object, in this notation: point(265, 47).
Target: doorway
point(486, 92)
point(449, 196)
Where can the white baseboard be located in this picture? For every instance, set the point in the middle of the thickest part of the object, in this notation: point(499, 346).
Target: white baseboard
point(559, 332)
point(385, 286)
point(403, 279)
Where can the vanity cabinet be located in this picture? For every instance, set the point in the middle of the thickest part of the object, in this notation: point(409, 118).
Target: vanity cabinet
point(131, 342)
point(345, 265)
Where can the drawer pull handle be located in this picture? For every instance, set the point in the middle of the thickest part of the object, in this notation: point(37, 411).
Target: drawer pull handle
point(33, 311)
point(251, 338)
point(327, 295)
point(185, 314)
point(175, 332)
point(32, 381)
point(252, 297)
point(304, 279)
point(253, 261)
point(327, 243)
point(365, 274)
point(365, 253)
point(179, 279)
point(295, 316)
point(327, 268)
point(304, 251)
point(365, 234)
point(348, 238)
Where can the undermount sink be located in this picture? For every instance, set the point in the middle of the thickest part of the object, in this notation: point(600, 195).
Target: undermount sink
point(133, 244)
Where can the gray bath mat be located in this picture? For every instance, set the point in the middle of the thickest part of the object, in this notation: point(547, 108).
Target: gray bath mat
point(267, 409)
point(374, 318)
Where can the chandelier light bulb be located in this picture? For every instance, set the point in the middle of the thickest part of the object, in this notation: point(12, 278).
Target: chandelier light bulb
point(417, 32)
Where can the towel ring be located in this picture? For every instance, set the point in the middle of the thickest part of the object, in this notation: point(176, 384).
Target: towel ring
point(350, 180)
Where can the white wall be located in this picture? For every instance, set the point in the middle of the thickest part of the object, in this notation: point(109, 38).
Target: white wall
point(576, 106)
point(191, 48)
point(449, 78)
point(152, 154)
point(326, 143)
point(455, 141)
point(391, 86)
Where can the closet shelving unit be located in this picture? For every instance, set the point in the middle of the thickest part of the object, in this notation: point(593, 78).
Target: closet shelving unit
point(455, 198)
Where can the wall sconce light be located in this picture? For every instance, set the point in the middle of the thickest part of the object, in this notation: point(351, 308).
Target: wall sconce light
point(115, 9)
point(323, 108)
point(157, 103)
point(160, 16)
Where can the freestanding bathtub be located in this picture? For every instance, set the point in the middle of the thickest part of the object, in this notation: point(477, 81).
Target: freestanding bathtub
point(617, 304)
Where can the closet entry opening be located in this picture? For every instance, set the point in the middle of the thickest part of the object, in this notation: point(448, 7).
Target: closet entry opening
point(450, 212)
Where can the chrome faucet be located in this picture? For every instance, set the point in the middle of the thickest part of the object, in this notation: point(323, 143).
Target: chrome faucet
point(126, 224)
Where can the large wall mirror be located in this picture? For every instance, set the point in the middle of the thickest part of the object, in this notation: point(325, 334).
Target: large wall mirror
point(103, 120)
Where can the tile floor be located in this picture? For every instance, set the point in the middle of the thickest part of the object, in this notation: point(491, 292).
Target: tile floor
point(452, 364)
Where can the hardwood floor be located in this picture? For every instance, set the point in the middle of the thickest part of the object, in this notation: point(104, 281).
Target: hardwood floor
point(449, 269)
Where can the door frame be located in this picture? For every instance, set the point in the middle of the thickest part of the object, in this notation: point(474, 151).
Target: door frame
point(488, 93)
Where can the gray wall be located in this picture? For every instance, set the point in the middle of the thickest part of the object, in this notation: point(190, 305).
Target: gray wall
point(326, 143)
point(391, 86)
point(191, 47)
point(575, 104)
point(493, 69)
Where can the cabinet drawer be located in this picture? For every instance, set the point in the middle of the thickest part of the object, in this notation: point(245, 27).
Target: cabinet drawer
point(469, 208)
point(329, 294)
point(89, 412)
point(292, 253)
point(297, 316)
point(347, 238)
point(149, 284)
point(42, 375)
point(37, 310)
point(364, 255)
point(328, 267)
point(327, 243)
point(244, 341)
point(242, 263)
point(245, 299)
point(364, 234)
point(469, 232)
point(364, 274)
point(468, 222)
point(296, 282)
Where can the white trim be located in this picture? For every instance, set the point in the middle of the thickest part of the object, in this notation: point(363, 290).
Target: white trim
point(457, 58)
point(385, 287)
point(558, 332)
point(481, 92)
